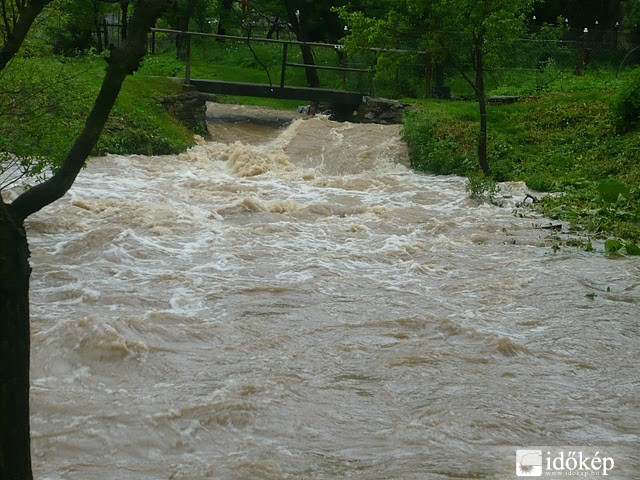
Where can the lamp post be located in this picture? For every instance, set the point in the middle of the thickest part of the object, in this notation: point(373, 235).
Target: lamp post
point(584, 58)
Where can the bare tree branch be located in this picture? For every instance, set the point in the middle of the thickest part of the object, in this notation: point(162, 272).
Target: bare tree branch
point(16, 35)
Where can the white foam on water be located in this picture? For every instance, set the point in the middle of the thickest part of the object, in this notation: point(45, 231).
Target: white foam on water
point(309, 307)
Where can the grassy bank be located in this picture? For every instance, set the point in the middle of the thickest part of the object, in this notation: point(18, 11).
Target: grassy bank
point(52, 96)
point(557, 141)
point(564, 138)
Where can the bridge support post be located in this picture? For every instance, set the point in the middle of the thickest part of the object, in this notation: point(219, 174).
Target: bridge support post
point(283, 69)
point(187, 68)
point(372, 89)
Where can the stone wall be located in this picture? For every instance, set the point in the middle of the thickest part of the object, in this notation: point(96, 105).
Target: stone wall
point(371, 110)
point(190, 109)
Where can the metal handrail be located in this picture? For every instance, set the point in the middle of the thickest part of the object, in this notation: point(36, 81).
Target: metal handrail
point(284, 43)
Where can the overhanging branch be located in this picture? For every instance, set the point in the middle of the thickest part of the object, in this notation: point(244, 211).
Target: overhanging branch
point(124, 61)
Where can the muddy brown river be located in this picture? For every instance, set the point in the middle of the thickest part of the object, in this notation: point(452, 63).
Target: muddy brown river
point(290, 301)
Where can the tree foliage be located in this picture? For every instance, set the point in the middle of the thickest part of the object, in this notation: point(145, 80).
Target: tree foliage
point(468, 35)
point(632, 10)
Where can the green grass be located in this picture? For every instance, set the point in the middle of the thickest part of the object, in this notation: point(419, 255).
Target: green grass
point(557, 141)
point(139, 123)
point(52, 96)
point(560, 137)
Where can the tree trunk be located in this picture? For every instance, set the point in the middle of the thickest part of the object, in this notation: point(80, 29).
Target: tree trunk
point(273, 28)
point(105, 31)
point(225, 14)
point(181, 40)
point(124, 7)
point(183, 26)
point(15, 445)
point(15, 456)
point(482, 103)
point(313, 80)
point(96, 25)
point(428, 73)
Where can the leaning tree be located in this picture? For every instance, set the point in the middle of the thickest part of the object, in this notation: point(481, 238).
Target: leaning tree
point(15, 455)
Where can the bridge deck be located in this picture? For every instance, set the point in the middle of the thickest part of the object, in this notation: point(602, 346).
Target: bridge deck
point(276, 91)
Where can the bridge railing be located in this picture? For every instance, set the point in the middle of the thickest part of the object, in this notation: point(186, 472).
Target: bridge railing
point(343, 68)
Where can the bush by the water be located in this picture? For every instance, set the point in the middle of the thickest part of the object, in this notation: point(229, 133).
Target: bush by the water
point(434, 147)
point(626, 107)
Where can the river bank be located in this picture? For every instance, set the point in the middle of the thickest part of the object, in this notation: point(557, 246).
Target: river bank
point(52, 97)
point(559, 141)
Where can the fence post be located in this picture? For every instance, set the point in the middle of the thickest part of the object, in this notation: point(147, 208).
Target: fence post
point(153, 42)
point(344, 72)
point(427, 74)
point(187, 71)
point(283, 70)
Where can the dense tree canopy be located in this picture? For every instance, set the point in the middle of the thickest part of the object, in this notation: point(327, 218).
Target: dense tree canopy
point(581, 13)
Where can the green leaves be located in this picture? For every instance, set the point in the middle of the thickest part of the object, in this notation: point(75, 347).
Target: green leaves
point(626, 107)
point(632, 249)
point(613, 247)
point(482, 188)
point(612, 190)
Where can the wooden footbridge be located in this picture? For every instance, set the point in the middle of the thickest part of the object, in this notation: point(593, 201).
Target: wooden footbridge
point(279, 90)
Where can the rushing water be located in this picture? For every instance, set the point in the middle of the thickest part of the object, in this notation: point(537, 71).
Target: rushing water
point(295, 303)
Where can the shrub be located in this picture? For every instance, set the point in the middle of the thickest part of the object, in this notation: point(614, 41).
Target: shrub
point(429, 151)
point(626, 106)
point(482, 188)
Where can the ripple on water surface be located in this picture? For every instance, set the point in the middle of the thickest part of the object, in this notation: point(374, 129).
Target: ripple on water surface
point(299, 304)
